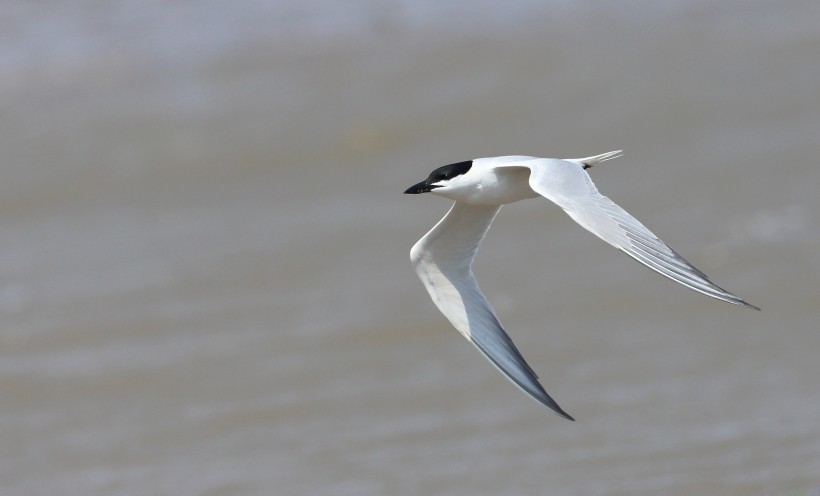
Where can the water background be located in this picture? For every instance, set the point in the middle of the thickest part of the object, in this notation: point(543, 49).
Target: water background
point(204, 276)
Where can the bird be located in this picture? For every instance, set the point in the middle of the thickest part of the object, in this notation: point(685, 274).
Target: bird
point(443, 257)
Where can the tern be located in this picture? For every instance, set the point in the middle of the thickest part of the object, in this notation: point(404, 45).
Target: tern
point(443, 257)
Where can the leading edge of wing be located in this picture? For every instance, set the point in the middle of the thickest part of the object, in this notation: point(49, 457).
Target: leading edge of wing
point(571, 188)
point(442, 259)
point(504, 355)
point(486, 333)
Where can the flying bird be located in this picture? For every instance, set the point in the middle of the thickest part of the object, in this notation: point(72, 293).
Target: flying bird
point(443, 257)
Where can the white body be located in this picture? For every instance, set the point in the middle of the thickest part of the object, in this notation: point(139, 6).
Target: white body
point(443, 257)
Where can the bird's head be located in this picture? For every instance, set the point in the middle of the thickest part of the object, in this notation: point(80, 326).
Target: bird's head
point(442, 180)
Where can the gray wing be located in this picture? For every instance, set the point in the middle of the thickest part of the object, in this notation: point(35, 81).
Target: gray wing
point(443, 259)
point(568, 185)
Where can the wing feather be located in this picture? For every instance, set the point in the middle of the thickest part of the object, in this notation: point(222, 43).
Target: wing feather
point(571, 188)
point(443, 260)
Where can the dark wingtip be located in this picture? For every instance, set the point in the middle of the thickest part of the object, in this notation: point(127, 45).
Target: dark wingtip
point(749, 305)
point(546, 400)
point(559, 411)
point(566, 415)
point(741, 302)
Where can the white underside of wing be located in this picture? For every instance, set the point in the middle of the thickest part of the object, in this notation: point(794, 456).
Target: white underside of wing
point(443, 259)
point(569, 186)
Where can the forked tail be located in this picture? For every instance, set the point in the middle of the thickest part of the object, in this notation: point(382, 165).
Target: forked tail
point(597, 159)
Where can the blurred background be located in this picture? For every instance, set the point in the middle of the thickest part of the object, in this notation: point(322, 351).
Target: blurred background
point(205, 286)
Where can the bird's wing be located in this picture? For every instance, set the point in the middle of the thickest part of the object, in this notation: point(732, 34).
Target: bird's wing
point(442, 259)
point(570, 187)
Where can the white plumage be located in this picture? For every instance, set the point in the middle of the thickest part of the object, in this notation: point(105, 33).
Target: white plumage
point(443, 257)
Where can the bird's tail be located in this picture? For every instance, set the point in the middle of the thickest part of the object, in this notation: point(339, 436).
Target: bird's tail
point(597, 159)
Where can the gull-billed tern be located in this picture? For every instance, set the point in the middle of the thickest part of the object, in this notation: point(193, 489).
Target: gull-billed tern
point(443, 257)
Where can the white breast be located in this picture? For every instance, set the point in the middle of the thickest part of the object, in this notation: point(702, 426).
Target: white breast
point(486, 184)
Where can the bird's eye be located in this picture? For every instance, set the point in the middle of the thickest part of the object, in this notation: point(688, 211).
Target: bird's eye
point(450, 171)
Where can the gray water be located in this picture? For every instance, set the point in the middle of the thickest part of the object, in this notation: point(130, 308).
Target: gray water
point(204, 275)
